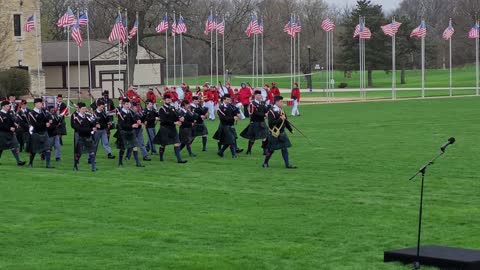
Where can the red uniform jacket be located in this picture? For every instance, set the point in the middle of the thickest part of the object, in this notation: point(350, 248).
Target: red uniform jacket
point(174, 96)
point(133, 96)
point(232, 95)
point(152, 96)
point(216, 96)
point(295, 94)
point(188, 96)
point(207, 95)
point(244, 95)
point(275, 91)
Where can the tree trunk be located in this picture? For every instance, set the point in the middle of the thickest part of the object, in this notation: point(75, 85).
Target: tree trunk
point(403, 75)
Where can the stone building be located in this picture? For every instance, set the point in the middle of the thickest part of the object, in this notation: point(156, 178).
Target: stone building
point(19, 49)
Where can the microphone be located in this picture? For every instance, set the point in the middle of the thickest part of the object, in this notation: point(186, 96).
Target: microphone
point(451, 140)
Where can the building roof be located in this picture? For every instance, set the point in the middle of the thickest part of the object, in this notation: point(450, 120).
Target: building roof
point(56, 51)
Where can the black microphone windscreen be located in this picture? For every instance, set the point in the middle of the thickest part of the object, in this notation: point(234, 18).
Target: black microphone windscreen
point(451, 140)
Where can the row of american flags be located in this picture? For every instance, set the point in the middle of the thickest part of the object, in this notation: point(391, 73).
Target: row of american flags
point(121, 33)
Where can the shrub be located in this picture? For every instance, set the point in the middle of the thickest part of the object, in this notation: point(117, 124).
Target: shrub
point(14, 81)
point(343, 85)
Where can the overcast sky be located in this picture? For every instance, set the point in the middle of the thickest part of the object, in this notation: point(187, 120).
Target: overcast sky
point(388, 5)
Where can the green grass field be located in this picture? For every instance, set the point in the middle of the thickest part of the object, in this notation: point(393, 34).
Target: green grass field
point(462, 77)
point(349, 200)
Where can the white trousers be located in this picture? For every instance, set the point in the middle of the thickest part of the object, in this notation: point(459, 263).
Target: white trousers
point(295, 110)
point(211, 110)
point(240, 108)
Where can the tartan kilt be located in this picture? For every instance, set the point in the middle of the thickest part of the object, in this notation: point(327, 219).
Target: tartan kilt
point(255, 131)
point(167, 135)
point(39, 142)
point(277, 143)
point(85, 145)
point(200, 130)
point(226, 134)
point(8, 140)
point(63, 129)
point(126, 139)
point(186, 135)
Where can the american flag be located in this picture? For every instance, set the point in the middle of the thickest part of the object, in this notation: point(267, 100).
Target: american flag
point(209, 25)
point(163, 25)
point(83, 19)
point(68, 19)
point(77, 34)
point(362, 32)
point(448, 33)
point(260, 27)
point(134, 30)
point(391, 29)
point(124, 36)
point(221, 27)
point(288, 28)
point(29, 24)
point(328, 25)
point(174, 27)
point(420, 31)
point(252, 27)
point(297, 26)
point(181, 26)
point(118, 31)
point(473, 33)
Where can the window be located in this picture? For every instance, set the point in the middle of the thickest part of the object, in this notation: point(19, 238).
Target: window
point(17, 25)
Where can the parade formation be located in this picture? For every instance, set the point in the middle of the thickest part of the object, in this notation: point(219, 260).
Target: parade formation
point(132, 125)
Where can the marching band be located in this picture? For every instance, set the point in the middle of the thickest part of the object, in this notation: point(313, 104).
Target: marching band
point(181, 117)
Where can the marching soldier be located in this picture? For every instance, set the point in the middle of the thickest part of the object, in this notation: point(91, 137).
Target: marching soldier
point(23, 126)
point(226, 134)
point(295, 95)
point(85, 126)
point(186, 128)
point(39, 140)
point(167, 134)
point(199, 128)
point(54, 131)
point(150, 121)
point(104, 124)
point(138, 131)
point(273, 92)
point(257, 129)
point(126, 138)
point(13, 103)
point(277, 137)
point(8, 127)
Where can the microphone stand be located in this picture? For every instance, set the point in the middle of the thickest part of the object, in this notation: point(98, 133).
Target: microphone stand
point(422, 170)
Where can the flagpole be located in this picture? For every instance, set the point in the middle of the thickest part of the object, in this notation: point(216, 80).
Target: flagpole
point(223, 50)
point(211, 47)
point(174, 34)
point(423, 66)
point(216, 46)
point(294, 51)
point(299, 58)
point(181, 52)
point(253, 61)
point(360, 57)
point(68, 64)
point(78, 63)
point(138, 47)
point(327, 64)
point(89, 57)
point(127, 46)
point(38, 49)
point(263, 66)
point(291, 60)
point(450, 59)
point(394, 75)
point(256, 59)
point(476, 62)
point(332, 72)
point(166, 51)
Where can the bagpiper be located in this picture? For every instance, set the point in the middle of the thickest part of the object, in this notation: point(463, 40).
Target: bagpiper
point(105, 123)
point(138, 131)
point(39, 140)
point(22, 119)
point(85, 126)
point(167, 134)
point(62, 111)
point(257, 129)
point(186, 128)
point(226, 133)
point(8, 127)
point(54, 131)
point(277, 137)
point(199, 127)
point(150, 121)
point(126, 138)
